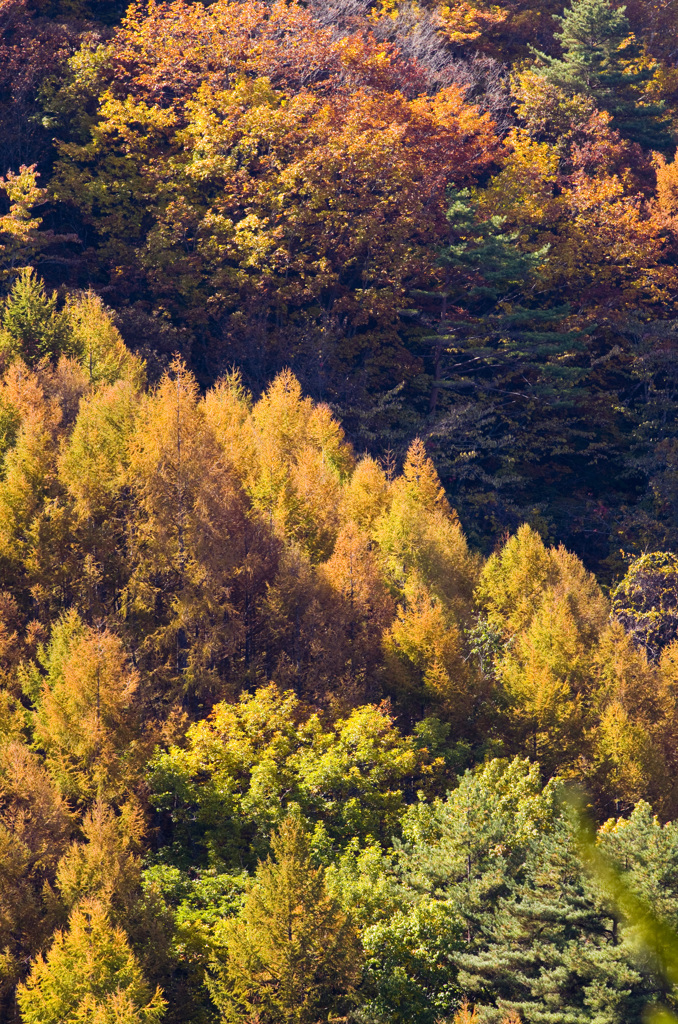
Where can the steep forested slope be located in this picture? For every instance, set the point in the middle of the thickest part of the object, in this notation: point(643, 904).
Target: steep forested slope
point(217, 620)
point(337, 512)
point(268, 186)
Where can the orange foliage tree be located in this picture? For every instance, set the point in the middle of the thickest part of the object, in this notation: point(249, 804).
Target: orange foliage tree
point(250, 169)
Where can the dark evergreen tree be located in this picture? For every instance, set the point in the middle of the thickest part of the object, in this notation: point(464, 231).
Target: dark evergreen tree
point(552, 950)
point(510, 388)
point(599, 52)
point(498, 340)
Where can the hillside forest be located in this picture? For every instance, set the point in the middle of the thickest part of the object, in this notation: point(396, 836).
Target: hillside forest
point(338, 512)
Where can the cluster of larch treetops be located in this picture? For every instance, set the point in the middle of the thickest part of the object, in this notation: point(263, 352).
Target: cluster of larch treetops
point(338, 499)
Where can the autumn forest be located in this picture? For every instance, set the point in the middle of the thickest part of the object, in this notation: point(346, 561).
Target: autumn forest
point(338, 512)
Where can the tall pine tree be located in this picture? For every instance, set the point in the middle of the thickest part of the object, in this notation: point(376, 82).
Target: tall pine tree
point(600, 59)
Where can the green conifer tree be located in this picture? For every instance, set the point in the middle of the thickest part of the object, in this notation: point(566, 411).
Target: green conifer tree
point(32, 327)
point(552, 948)
point(598, 60)
point(428, 902)
point(487, 338)
point(508, 377)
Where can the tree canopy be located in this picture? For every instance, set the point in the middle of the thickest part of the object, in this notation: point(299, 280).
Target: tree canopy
point(338, 512)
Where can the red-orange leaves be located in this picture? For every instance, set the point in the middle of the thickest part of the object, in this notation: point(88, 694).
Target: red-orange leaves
point(248, 164)
point(453, 140)
point(313, 198)
point(322, 199)
point(164, 52)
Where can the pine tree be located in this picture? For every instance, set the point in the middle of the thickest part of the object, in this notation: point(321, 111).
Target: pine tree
point(506, 373)
point(426, 902)
point(32, 327)
point(357, 609)
point(427, 562)
point(646, 850)
point(365, 495)
point(466, 849)
point(35, 544)
point(466, 1015)
point(631, 745)
point(486, 338)
point(291, 956)
point(551, 949)
point(598, 55)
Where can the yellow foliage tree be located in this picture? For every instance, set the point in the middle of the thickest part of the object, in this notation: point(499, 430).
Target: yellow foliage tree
point(87, 719)
point(300, 461)
point(549, 614)
point(200, 557)
point(106, 867)
point(89, 974)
